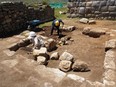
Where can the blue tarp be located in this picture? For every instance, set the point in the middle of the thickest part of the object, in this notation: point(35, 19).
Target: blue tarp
point(56, 5)
point(35, 22)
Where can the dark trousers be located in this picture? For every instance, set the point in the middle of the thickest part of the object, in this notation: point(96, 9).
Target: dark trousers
point(57, 28)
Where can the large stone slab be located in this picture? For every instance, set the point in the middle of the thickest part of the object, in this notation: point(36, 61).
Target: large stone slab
point(110, 44)
point(109, 62)
point(53, 74)
point(76, 78)
point(94, 32)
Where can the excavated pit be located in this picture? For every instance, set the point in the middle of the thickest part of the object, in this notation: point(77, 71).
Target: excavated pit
point(83, 48)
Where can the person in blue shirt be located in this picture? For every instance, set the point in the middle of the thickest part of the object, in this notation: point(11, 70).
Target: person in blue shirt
point(55, 25)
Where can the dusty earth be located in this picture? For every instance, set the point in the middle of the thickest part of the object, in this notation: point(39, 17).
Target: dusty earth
point(88, 49)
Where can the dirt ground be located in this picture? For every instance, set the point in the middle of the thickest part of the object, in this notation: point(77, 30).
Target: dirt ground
point(88, 49)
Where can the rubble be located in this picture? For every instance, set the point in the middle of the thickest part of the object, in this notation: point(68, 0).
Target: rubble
point(65, 65)
point(54, 56)
point(66, 56)
point(41, 60)
point(80, 66)
point(51, 44)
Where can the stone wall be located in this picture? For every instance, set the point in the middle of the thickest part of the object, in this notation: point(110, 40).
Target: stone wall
point(92, 8)
point(14, 15)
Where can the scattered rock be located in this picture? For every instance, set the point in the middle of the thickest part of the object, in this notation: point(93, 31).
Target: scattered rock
point(64, 40)
point(65, 65)
point(41, 60)
point(54, 56)
point(51, 44)
point(84, 20)
point(40, 52)
point(86, 30)
point(92, 22)
point(80, 66)
point(66, 56)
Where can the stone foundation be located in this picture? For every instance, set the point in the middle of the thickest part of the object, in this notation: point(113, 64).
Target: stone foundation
point(14, 15)
point(92, 8)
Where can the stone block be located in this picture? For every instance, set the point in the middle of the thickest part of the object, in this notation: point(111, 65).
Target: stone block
point(92, 22)
point(66, 56)
point(110, 44)
point(82, 10)
point(80, 66)
point(84, 20)
point(112, 8)
point(89, 4)
point(51, 44)
point(65, 65)
point(40, 52)
point(41, 60)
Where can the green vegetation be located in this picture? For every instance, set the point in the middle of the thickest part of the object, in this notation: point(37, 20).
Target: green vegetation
point(57, 15)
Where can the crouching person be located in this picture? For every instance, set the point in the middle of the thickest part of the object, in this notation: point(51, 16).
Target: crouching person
point(37, 41)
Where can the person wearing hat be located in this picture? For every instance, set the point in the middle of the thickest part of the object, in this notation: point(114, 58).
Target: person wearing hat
point(55, 25)
point(36, 41)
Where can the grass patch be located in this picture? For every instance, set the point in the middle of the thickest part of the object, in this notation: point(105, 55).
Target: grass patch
point(57, 15)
